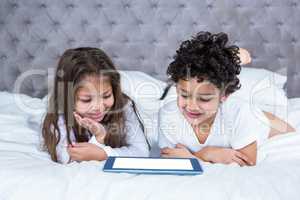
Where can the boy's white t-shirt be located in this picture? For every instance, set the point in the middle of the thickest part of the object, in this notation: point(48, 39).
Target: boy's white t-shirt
point(237, 124)
point(137, 144)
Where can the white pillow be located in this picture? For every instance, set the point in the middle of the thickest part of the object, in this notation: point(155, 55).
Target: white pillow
point(15, 129)
point(261, 87)
point(19, 104)
point(145, 91)
point(141, 86)
point(256, 74)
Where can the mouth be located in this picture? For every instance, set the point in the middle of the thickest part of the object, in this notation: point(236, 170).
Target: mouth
point(193, 115)
point(96, 116)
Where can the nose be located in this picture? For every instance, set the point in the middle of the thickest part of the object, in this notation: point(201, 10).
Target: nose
point(192, 105)
point(98, 106)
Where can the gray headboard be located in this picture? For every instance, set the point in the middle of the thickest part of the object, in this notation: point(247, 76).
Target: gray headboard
point(141, 34)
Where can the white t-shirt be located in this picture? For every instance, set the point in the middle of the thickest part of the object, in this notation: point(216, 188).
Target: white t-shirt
point(137, 145)
point(237, 124)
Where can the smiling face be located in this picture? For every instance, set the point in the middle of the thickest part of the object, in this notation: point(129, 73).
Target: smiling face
point(94, 97)
point(197, 101)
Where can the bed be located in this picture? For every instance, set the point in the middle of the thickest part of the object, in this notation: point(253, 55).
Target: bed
point(141, 37)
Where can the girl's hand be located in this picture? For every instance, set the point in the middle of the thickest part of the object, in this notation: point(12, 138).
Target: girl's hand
point(223, 155)
point(96, 128)
point(245, 56)
point(180, 151)
point(85, 152)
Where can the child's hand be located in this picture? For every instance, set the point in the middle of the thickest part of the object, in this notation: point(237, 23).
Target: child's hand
point(96, 128)
point(85, 152)
point(180, 151)
point(245, 56)
point(223, 155)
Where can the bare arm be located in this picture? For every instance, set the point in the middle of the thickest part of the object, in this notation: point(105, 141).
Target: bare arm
point(278, 126)
point(251, 152)
point(85, 151)
point(223, 155)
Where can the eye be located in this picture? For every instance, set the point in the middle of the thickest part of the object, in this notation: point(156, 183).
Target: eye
point(107, 96)
point(204, 100)
point(185, 96)
point(85, 100)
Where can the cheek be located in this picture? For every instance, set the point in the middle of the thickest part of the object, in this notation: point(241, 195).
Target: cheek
point(109, 102)
point(181, 102)
point(82, 107)
point(211, 107)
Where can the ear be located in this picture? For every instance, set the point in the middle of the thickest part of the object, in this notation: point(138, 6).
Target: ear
point(224, 98)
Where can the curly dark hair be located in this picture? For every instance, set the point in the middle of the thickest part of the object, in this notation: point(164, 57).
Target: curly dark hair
point(207, 57)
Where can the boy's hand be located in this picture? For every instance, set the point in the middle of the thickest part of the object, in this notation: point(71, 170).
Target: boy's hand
point(223, 155)
point(180, 151)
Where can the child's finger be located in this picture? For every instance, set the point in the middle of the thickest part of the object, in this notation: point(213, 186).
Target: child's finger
point(96, 127)
point(76, 154)
point(71, 151)
point(82, 122)
point(76, 115)
point(243, 157)
point(170, 156)
point(89, 120)
point(78, 118)
point(68, 150)
point(86, 123)
point(69, 146)
point(81, 144)
point(180, 146)
point(74, 157)
point(166, 150)
point(93, 124)
point(239, 161)
point(164, 155)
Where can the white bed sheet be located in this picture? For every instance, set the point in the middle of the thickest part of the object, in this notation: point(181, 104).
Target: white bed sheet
point(28, 173)
point(26, 176)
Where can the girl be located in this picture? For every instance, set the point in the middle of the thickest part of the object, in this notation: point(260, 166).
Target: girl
point(89, 118)
point(204, 122)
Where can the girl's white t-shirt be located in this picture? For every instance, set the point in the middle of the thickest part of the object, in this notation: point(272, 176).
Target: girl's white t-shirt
point(236, 125)
point(137, 144)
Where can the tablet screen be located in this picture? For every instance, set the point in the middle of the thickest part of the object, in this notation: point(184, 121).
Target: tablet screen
point(152, 163)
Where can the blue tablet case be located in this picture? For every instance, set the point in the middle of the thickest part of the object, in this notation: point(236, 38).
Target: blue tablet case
point(197, 169)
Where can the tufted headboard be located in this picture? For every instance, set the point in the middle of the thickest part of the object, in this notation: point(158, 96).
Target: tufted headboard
point(141, 34)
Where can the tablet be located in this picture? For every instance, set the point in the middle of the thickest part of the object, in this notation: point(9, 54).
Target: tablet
point(146, 165)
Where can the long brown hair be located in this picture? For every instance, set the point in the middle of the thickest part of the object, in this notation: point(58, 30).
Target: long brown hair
point(72, 67)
